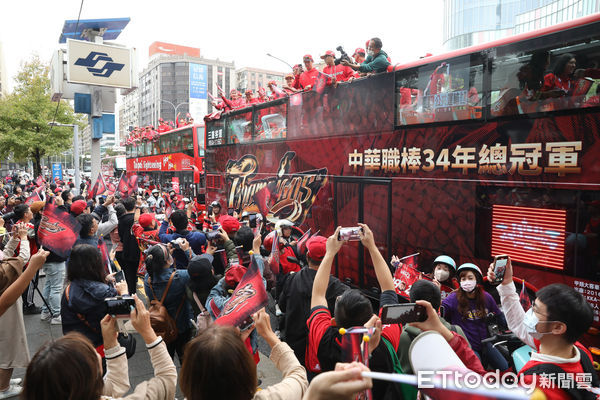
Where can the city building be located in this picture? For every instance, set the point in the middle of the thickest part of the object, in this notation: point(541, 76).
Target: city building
point(178, 80)
point(472, 22)
point(3, 76)
point(129, 112)
point(255, 78)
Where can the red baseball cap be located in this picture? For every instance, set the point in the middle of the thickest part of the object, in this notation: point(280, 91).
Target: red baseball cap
point(359, 50)
point(234, 275)
point(328, 53)
point(78, 206)
point(146, 220)
point(307, 56)
point(316, 246)
point(229, 224)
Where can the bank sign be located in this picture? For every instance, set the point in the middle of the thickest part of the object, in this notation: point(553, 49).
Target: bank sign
point(98, 64)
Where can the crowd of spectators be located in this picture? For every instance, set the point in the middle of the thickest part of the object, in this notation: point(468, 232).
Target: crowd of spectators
point(187, 260)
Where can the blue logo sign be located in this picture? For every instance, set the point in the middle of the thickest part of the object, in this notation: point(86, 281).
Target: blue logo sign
point(57, 171)
point(94, 58)
point(198, 81)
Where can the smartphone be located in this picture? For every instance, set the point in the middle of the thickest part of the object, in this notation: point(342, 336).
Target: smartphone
point(403, 313)
point(119, 276)
point(352, 234)
point(230, 211)
point(248, 323)
point(500, 267)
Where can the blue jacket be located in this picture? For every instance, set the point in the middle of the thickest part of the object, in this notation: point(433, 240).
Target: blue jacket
point(195, 239)
point(175, 295)
point(87, 299)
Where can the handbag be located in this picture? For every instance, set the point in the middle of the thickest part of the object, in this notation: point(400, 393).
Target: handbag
point(203, 320)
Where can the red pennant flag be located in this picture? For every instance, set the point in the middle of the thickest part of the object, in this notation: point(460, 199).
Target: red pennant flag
point(123, 187)
point(105, 255)
point(524, 298)
point(110, 188)
point(35, 196)
point(321, 82)
point(301, 244)
point(132, 185)
point(264, 200)
point(98, 188)
point(58, 230)
point(274, 257)
point(406, 274)
point(39, 181)
point(249, 296)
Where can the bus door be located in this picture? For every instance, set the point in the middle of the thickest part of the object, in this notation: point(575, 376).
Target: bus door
point(356, 200)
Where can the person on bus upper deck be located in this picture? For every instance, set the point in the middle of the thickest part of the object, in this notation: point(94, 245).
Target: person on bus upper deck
point(262, 95)
point(377, 59)
point(339, 72)
point(250, 99)
point(308, 78)
point(288, 87)
point(359, 55)
point(559, 82)
point(297, 71)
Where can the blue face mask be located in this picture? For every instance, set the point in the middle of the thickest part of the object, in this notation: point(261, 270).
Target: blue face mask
point(530, 321)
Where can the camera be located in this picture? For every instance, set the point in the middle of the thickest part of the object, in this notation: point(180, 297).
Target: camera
point(119, 306)
point(176, 243)
point(352, 234)
point(8, 216)
point(213, 236)
point(343, 57)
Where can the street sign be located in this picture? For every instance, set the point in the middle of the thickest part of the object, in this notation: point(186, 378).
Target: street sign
point(98, 64)
point(57, 171)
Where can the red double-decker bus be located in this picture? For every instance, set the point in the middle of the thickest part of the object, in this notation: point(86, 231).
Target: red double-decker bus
point(470, 154)
point(174, 158)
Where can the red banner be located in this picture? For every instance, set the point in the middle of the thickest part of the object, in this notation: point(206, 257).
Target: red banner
point(167, 162)
point(58, 230)
point(249, 296)
point(406, 274)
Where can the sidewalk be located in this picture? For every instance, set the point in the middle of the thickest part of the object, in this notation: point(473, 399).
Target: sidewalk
point(140, 367)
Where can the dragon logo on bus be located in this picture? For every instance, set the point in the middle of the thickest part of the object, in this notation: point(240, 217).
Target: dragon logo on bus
point(291, 195)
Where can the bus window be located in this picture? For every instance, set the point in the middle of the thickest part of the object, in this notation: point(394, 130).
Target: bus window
point(155, 147)
point(446, 91)
point(187, 142)
point(134, 150)
point(239, 127)
point(164, 144)
point(270, 122)
point(200, 137)
point(174, 142)
point(148, 148)
point(128, 151)
point(527, 80)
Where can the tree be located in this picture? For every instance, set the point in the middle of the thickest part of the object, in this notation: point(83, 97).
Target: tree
point(25, 114)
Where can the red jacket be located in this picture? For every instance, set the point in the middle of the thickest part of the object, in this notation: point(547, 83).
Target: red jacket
point(341, 73)
point(308, 78)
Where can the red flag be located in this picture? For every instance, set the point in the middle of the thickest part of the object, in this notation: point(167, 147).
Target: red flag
point(132, 185)
point(277, 92)
point(39, 181)
point(524, 298)
point(249, 296)
point(58, 230)
point(301, 244)
point(98, 188)
point(406, 274)
point(264, 199)
point(321, 82)
point(105, 257)
point(110, 188)
point(274, 257)
point(123, 187)
point(35, 196)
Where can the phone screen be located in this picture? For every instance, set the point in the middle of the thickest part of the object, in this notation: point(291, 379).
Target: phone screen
point(403, 313)
point(119, 276)
point(500, 267)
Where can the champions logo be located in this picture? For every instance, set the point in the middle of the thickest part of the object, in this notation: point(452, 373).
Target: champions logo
point(51, 227)
point(243, 294)
point(294, 194)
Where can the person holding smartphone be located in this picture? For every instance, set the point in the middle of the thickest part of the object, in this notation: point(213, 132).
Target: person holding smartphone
point(468, 307)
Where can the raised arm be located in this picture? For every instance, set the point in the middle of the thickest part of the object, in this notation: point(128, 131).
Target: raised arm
point(322, 277)
point(382, 272)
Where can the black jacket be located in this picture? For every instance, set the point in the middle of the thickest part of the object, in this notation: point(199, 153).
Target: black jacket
point(294, 301)
point(131, 251)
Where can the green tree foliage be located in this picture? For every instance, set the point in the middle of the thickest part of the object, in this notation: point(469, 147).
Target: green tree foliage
point(25, 114)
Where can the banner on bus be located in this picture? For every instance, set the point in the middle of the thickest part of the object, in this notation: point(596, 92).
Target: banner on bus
point(167, 162)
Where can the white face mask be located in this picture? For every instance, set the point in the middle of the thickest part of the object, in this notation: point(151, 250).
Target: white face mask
point(530, 321)
point(370, 53)
point(440, 275)
point(468, 286)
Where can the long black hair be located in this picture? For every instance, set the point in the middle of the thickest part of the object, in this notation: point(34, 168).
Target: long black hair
point(156, 258)
point(85, 262)
point(561, 62)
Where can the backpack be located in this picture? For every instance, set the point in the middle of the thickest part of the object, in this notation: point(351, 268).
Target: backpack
point(163, 324)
